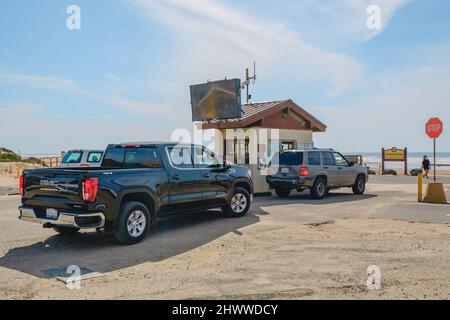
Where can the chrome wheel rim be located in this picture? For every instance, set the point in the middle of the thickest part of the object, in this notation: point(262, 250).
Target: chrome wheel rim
point(238, 203)
point(360, 185)
point(320, 188)
point(136, 223)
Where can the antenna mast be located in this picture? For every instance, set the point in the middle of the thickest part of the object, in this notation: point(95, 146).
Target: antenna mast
point(246, 84)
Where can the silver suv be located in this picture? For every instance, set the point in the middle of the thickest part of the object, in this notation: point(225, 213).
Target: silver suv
point(318, 170)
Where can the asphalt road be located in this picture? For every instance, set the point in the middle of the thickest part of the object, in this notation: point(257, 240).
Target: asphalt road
point(26, 248)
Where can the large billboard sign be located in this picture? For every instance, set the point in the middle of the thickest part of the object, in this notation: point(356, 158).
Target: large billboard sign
point(216, 100)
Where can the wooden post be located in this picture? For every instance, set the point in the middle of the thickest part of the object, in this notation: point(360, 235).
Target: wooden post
point(419, 186)
point(406, 161)
point(382, 161)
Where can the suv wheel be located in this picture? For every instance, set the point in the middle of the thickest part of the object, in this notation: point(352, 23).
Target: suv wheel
point(360, 185)
point(282, 193)
point(133, 223)
point(239, 204)
point(319, 188)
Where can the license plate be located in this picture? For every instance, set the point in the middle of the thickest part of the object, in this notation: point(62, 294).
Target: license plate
point(51, 214)
point(284, 170)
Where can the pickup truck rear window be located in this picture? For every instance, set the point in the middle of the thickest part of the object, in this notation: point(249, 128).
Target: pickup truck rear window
point(181, 157)
point(119, 157)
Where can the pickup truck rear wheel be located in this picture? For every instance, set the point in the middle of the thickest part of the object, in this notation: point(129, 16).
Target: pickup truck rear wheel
point(133, 223)
point(239, 204)
point(360, 185)
point(66, 231)
point(282, 192)
point(319, 188)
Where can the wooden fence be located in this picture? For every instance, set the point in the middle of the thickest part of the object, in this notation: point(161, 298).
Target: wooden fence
point(51, 162)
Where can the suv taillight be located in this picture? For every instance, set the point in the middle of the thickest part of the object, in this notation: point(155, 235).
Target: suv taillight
point(304, 171)
point(21, 185)
point(90, 188)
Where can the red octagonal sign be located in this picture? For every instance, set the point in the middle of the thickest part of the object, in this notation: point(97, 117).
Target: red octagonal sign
point(434, 128)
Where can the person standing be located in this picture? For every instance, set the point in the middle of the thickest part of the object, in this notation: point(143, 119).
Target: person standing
point(426, 166)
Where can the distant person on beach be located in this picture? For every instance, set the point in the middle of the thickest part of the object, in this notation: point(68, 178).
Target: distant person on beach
point(426, 166)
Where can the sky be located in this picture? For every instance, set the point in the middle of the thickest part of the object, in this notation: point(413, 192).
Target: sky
point(125, 74)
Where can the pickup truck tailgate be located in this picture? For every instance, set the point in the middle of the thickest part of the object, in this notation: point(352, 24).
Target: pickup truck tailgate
point(60, 187)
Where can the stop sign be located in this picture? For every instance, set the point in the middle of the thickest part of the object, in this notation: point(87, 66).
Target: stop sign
point(434, 128)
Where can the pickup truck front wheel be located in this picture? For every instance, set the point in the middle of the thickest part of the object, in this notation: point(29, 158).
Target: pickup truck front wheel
point(239, 204)
point(133, 223)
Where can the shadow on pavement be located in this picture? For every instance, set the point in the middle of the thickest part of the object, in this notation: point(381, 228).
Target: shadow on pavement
point(306, 198)
point(100, 252)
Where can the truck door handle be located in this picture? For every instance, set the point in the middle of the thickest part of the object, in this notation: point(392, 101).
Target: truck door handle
point(206, 175)
point(176, 177)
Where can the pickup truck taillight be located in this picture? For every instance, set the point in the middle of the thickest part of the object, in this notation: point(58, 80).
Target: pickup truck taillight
point(21, 185)
point(304, 172)
point(90, 188)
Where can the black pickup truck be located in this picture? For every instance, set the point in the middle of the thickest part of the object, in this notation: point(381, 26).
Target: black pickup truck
point(136, 185)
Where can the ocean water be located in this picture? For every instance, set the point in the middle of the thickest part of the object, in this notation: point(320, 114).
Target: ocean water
point(373, 159)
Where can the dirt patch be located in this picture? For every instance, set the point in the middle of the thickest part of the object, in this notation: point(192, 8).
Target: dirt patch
point(293, 261)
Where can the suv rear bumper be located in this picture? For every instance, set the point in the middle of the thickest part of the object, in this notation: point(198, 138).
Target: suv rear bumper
point(300, 182)
point(65, 219)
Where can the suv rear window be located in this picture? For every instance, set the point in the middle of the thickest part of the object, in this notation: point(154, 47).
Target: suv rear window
point(119, 157)
point(328, 159)
point(290, 158)
point(73, 157)
point(314, 158)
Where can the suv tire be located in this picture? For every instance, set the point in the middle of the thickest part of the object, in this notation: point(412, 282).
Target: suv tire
point(66, 231)
point(239, 204)
point(282, 192)
point(360, 185)
point(319, 188)
point(133, 223)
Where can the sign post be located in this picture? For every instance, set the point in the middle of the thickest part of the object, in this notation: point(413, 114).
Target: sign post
point(433, 129)
point(394, 154)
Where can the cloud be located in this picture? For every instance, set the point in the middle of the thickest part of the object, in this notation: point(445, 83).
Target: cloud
point(390, 110)
point(214, 40)
point(337, 23)
point(113, 82)
point(51, 83)
point(16, 108)
point(355, 16)
point(59, 135)
point(152, 110)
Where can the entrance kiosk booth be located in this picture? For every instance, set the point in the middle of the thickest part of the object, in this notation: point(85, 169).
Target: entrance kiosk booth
point(264, 129)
